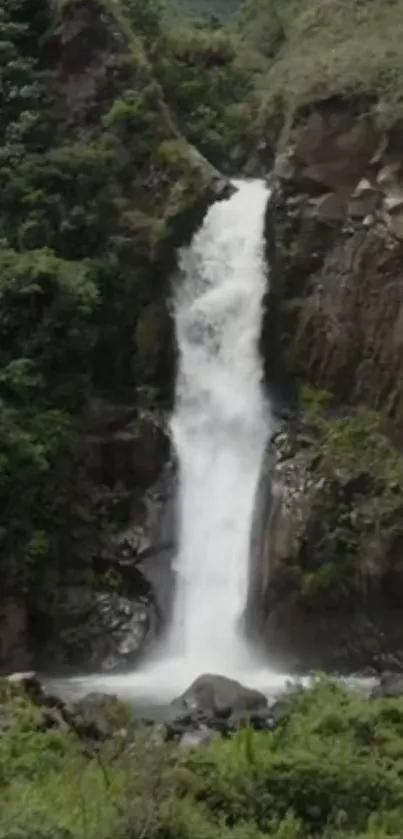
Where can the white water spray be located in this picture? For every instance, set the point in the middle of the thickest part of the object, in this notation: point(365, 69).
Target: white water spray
point(219, 428)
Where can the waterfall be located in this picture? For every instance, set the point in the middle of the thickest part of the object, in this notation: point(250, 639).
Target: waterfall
point(219, 428)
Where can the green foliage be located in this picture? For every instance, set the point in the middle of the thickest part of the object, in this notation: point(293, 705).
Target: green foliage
point(88, 207)
point(199, 9)
point(144, 16)
point(357, 508)
point(354, 443)
point(317, 49)
point(331, 768)
point(209, 91)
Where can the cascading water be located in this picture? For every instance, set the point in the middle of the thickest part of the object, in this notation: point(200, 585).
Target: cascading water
point(219, 428)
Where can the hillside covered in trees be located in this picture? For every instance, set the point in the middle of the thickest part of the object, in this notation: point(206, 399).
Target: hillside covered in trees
point(99, 184)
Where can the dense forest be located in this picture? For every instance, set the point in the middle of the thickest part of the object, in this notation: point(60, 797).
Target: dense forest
point(97, 178)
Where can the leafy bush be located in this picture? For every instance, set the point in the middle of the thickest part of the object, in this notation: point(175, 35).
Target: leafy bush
point(332, 768)
point(209, 91)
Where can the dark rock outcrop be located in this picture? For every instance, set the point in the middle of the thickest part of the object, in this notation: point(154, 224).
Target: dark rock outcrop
point(390, 686)
point(220, 696)
point(101, 630)
point(331, 553)
point(216, 703)
point(327, 535)
point(338, 205)
point(94, 718)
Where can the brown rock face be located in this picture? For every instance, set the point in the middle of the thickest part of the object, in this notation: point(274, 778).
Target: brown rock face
point(350, 335)
point(339, 235)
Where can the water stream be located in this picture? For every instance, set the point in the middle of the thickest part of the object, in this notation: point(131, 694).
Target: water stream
point(220, 426)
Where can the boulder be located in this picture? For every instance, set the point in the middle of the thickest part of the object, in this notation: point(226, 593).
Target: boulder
point(215, 705)
point(214, 696)
point(28, 684)
point(100, 629)
point(198, 737)
point(95, 717)
point(390, 686)
point(99, 716)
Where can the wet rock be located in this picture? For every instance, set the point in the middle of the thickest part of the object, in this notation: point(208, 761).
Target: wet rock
point(101, 630)
point(214, 704)
point(260, 720)
point(29, 684)
point(178, 721)
point(98, 716)
point(390, 687)
point(95, 717)
point(217, 696)
point(198, 737)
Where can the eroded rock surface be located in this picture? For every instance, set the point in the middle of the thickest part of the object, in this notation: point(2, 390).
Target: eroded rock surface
point(331, 551)
point(217, 703)
point(338, 207)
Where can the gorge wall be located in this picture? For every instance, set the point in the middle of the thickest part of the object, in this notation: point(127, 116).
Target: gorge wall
point(333, 536)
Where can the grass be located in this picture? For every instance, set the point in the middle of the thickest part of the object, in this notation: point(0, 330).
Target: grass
point(322, 48)
point(332, 768)
point(191, 9)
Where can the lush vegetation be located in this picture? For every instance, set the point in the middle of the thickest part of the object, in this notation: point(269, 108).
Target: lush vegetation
point(209, 90)
point(333, 767)
point(317, 49)
point(98, 186)
point(355, 511)
point(196, 9)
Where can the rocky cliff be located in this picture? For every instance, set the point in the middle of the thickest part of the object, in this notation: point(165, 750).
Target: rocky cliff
point(334, 517)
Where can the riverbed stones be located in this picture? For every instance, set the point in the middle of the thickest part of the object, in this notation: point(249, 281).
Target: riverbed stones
point(219, 696)
point(221, 704)
point(390, 686)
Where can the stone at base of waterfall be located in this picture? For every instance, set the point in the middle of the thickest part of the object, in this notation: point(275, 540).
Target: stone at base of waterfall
point(95, 718)
point(219, 704)
point(390, 686)
point(220, 696)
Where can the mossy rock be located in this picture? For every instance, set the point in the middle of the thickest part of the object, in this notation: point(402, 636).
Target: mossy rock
point(334, 539)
